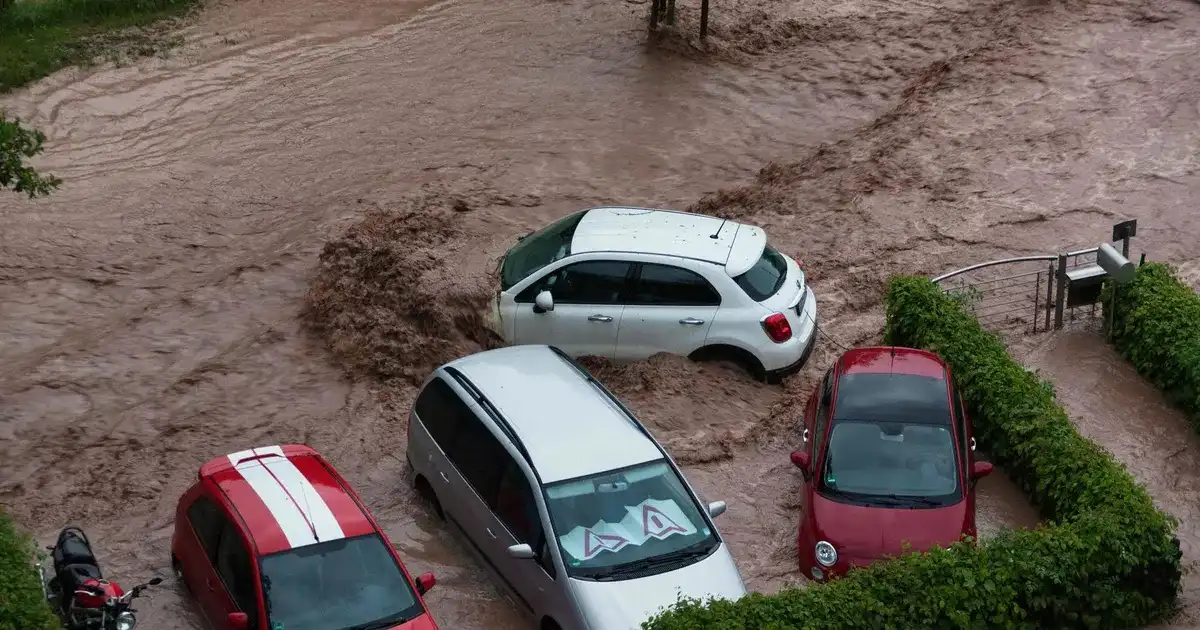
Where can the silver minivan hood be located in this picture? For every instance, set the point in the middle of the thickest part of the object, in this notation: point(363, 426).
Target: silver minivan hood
point(627, 603)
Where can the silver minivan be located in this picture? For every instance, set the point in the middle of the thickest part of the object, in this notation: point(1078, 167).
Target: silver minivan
point(564, 496)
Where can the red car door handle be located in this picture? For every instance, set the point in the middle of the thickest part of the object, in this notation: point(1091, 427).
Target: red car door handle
point(208, 581)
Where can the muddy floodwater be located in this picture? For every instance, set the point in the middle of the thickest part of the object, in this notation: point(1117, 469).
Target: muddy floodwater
point(1113, 406)
point(150, 311)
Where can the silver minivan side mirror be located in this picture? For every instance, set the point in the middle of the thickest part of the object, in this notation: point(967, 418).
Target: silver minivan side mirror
point(521, 552)
point(544, 301)
point(716, 508)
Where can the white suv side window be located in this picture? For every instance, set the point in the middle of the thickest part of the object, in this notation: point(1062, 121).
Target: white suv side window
point(588, 282)
point(668, 285)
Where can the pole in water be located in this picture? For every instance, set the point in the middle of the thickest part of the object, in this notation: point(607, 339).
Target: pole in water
point(654, 4)
point(703, 19)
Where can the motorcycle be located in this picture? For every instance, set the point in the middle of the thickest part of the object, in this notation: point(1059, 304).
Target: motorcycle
point(78, 592)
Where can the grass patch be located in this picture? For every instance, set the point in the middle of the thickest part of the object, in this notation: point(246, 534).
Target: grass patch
point(39, 37)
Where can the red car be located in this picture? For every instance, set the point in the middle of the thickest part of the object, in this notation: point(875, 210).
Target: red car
point(274, 539)
point(888, 461)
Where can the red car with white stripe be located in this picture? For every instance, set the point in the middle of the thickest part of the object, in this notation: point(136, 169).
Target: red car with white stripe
point(273, 538)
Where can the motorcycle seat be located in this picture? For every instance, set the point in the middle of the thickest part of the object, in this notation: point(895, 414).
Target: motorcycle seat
point(72, 575)
point(72, 549)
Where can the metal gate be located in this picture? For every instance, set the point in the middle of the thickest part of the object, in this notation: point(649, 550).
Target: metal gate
point(1034, 293)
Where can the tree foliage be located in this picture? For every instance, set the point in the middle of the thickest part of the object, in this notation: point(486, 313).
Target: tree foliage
point(18, 144)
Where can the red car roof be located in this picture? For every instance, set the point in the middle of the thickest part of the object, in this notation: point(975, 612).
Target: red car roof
point(288, 497)
point(893, 360)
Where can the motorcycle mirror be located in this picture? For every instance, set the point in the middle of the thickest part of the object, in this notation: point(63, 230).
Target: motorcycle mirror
point(155, 582)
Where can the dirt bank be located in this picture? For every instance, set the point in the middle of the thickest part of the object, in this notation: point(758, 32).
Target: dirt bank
point(150, 312)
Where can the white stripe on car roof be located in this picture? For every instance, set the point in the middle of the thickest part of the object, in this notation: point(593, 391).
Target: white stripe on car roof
point(289, 496)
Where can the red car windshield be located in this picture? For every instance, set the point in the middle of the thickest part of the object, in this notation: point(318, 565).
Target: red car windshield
point(350, 583)
point(892, 443)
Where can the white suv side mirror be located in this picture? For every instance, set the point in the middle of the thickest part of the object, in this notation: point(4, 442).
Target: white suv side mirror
point(544, 302)
point(521, 552)
point(716, 508)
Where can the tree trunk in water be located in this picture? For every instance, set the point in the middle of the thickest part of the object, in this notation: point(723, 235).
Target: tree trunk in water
point(655, 13)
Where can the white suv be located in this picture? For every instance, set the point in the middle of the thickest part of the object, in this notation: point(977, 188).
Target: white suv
point(627, 283)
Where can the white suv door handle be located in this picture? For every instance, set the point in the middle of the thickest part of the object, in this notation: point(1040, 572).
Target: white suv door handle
point(691, 321)
point(599, 318)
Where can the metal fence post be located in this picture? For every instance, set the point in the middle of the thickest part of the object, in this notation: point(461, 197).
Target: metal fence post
point(1049, 292)
point(1037, 295)
point(1060, 299)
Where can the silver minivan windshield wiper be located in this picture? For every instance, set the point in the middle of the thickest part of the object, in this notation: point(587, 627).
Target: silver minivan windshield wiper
point(691, 551)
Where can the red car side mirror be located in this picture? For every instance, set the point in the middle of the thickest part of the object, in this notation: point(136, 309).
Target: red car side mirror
point(980, 470)
point(237, 621)
point(425, 582)
point(800, 460)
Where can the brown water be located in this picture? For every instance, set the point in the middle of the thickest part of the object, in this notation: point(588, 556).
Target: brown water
point(149, 310)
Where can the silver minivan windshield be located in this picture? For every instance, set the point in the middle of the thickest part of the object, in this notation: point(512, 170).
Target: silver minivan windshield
point(608, 523)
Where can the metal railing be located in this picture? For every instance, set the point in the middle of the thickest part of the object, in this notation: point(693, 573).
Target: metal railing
point(1033, 293)
point(1017, 298)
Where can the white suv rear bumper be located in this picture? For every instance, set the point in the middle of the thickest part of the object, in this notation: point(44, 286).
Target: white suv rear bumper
point(791, 355)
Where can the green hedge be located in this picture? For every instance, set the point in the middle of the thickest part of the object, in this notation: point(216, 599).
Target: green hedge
point(1156, 326)
point(22, 606)
point(1107, 559)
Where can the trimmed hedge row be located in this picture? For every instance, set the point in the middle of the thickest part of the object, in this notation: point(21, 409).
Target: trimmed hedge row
point(22, 606)
point(1156, 326)
point(1107, 559)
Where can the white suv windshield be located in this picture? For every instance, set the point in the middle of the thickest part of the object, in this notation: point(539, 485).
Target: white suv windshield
point(538, 249)
point(621, 522)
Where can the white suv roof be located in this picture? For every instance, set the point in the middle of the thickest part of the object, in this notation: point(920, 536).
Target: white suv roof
point(670, 233)
point(567, 424)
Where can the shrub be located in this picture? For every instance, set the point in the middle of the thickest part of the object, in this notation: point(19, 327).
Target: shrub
point(1156, 326)
point(1107, 558)
point(22, 606)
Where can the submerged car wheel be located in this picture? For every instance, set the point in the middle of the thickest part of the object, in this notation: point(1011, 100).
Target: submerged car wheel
point(734, 355)
point(178, 569)
point(425, 491)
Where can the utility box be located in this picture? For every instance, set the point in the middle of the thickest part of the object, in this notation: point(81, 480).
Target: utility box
point(1084, 285)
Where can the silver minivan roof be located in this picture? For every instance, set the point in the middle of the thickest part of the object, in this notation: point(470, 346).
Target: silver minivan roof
point(569, 428)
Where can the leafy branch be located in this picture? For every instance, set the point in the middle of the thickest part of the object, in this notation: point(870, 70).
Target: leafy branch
point(18, 144)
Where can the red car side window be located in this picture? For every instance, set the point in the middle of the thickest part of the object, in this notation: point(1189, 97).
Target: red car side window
point(824, 402)
point(233, 567)
point(206, 520)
